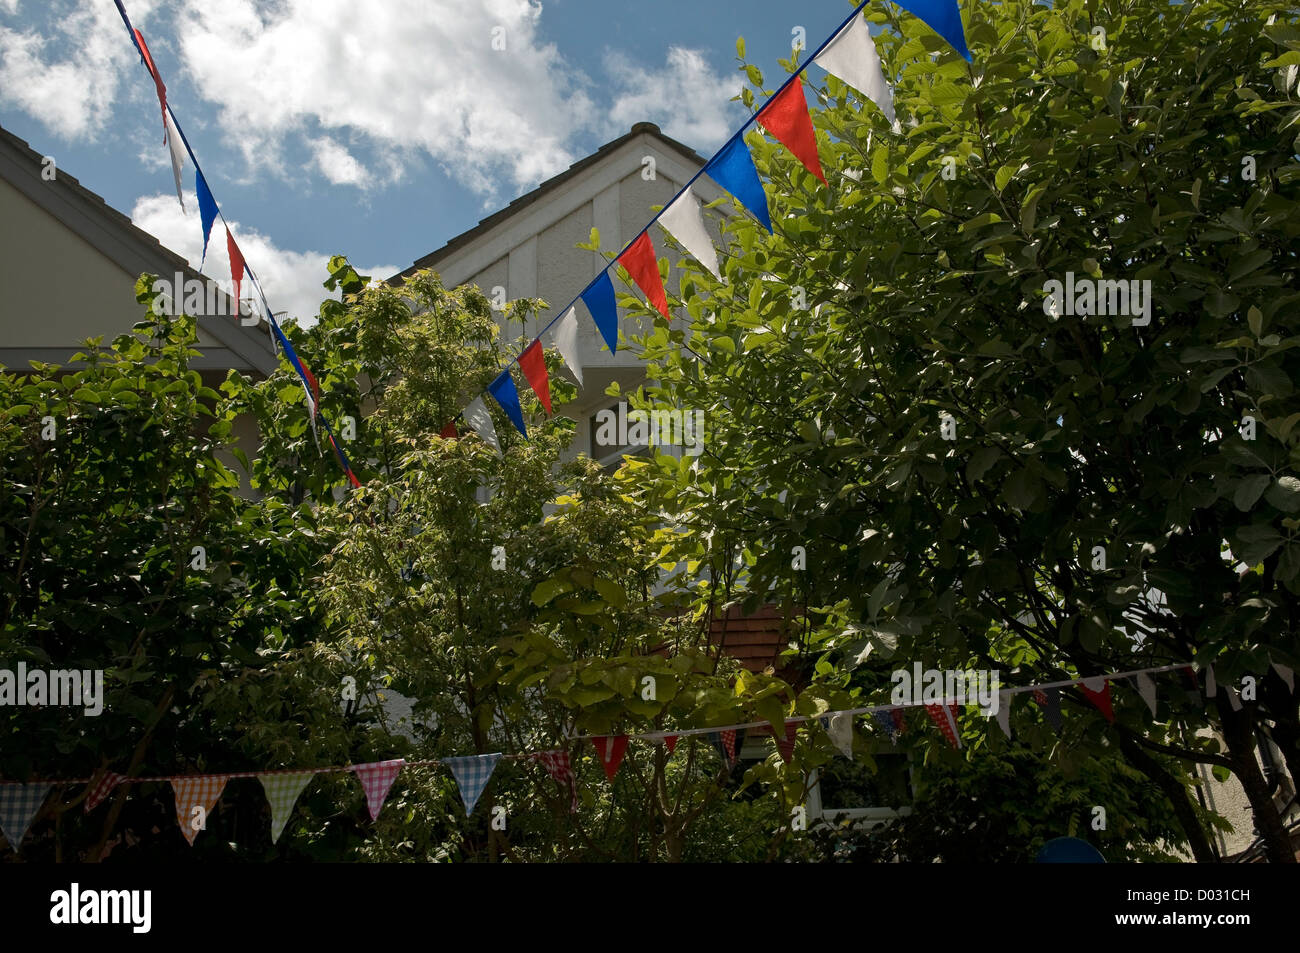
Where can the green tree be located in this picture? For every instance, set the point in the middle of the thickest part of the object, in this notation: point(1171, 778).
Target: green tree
point(912, 293)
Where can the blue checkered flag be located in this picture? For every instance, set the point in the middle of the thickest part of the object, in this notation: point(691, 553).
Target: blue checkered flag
point(472, 773)
point(18, 805)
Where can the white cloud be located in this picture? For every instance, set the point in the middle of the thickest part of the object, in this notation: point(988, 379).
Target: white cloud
point(73, 96)
point(338, 165)
point(684, 98)
point(291, 279)
point(403, 75)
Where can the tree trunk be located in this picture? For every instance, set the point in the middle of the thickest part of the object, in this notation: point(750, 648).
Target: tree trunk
point(1177, 795)
point(1238, 732)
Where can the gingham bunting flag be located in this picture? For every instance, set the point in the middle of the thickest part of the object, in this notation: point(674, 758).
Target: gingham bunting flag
point(945, 716)
point(19, 803)
point(102, 789)
point(195, 798)
point(282, 791)
point(885, 719)
point(1051, 704)
point(900, 723)
point(611, 749)
point(728, 743)
point(557, 766)
point(472, 773)
point(376, 778)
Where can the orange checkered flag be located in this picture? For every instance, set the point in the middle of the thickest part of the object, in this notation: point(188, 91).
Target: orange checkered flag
point(195, 798)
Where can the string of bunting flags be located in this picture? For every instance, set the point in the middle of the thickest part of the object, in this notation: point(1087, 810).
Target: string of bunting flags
point(197, 794)
point(848, 54)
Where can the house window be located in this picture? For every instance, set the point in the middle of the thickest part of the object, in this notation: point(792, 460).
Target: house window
point(850, 790)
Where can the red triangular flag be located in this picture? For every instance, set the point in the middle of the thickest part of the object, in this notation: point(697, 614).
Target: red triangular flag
point(102, 789)
point(236, 265)
point(306, 371)
point(376, 778)
point(158, 85)
point(786, 117)
point(945, 716)
point(450, 432)
point(899, 722)
point(533, 363)
point(639, 260)
point(611, 751)
point(786, 747)
point(1100, 698)
point(671, 742)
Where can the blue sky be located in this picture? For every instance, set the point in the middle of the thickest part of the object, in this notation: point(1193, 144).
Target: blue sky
point(375, 129)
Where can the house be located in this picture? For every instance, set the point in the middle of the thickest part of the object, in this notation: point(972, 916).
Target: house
point(69, 264)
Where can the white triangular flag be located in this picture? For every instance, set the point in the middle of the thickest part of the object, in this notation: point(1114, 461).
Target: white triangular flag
point(1147, 689)
point(178, 156)
point(684, 220)
point(852, 57)
point(1211, 687)
point(1233, 700)
point(1286, 674)
point(565, 336)
point(1003, 714)
point(840, 729)
point(477, 416)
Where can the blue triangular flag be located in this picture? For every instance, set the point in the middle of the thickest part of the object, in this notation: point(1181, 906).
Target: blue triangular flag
point(472, 773)
point(733, 169)
point(207, 210)
point(503, 389)
point(18, 805)
point(942, 16)
point(599, 299)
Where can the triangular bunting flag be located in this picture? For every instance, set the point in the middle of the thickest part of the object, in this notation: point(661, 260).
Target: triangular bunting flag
point(177, 150)
point(18, 805)
point(943, 17)
point(1146, 687)
point(852, 57)
point(728, 744)
point(684, 221)
point(282, 789)
point(1211, 686)
point(159, 87)
point(785, 746)
point(236, 265)
point(611, 750)
point(1233, 700)
point(600, 301)
point(733, 169)
point(885, 719)
point(472, 773)
point(477, 416)
point(533, 363)
point(1003, 715)
point(1286, 674)
point(1097, 691)
point(900, 723)
point(207, 211)
point(503, 390)
point(1051, 702)
point(945, 716)
point(640, 262)
point(376, 778)
point(840, 729)
point(671, 742)
point(565, 337)
point(558, 767)
point(195, 797)
point(449, 432)
point(102, 789)
point(786, 117)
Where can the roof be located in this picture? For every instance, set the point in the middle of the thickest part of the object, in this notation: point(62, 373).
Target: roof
point(114, 236)
point(518, 205)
